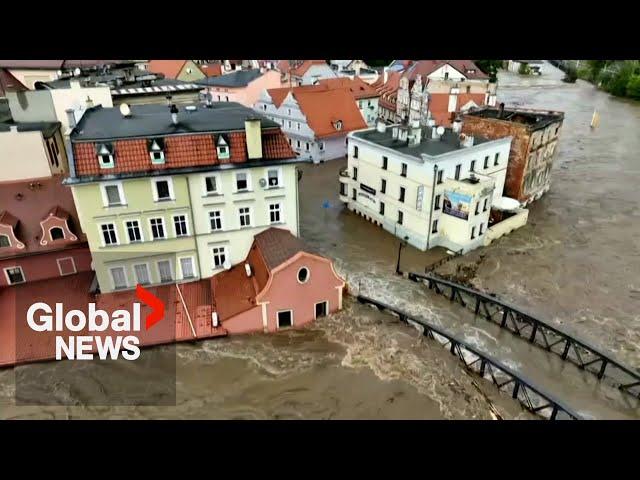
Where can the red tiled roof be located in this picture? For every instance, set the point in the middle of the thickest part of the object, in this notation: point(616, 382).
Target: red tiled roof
point(181, 151)
point(233, 292)
point(31, 201)
point(7, 219)
point(57, 212)
point(427, 67)
point(278, 245)
point(169, 68)
point(358, 87)
point(211, 69)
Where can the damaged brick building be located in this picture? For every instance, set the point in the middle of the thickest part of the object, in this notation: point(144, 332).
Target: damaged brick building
point(535, 138)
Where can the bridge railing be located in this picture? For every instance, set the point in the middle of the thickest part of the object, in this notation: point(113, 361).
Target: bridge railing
point(538, 332)
point(532, 397)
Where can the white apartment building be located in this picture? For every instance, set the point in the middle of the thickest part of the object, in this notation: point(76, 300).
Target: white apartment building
point(430, 186)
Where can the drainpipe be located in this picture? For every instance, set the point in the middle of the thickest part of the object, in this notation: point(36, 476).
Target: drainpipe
point(193, 225)
point(297, 178)
point(433, 193)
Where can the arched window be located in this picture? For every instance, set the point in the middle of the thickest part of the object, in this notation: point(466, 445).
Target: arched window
point(56, 233)
point(303, 275)
point(4, 241)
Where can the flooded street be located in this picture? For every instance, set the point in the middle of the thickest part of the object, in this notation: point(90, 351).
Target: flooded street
point(576, 263)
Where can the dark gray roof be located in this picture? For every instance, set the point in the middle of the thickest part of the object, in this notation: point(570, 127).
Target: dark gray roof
point(239, 78)
point(449, 142)
point(533, 119)
point(5, 112)
point(100, 123)
point(47, 128)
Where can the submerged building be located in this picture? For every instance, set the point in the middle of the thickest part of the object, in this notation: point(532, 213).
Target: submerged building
point(535, 139)
point(429, 185)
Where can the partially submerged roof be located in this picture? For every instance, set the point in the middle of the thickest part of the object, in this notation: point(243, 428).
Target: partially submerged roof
point(100, 123)
point(237, 79)
point(534, 119)
point(278, 245)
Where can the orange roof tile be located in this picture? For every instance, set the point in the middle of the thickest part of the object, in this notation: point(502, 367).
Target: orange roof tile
point(358, 87)
point(306, 65)
point(169, 68)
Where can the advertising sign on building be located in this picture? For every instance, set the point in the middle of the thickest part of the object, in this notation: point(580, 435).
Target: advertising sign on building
point(457, 204)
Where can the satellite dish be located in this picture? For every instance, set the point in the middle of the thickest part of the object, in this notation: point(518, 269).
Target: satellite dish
point(440, 130)
point(77, 72)
point(125, 110)
point(263, 182)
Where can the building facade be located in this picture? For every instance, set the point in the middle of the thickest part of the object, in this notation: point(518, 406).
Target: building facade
point(304, 72)
point(242, 86)
point(432, 187)
point(165, 198)
point(535, 139)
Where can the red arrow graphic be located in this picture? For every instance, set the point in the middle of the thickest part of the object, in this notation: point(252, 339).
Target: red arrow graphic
point(157, 306)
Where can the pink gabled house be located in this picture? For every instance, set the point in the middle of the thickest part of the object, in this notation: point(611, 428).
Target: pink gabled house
point(280, 284)
point(242, 86)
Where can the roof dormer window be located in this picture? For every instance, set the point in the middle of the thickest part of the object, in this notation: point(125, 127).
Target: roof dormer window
point(222, 146)
point(105, 155)
point(337, 124)
point(156, 150)
point(5, 241)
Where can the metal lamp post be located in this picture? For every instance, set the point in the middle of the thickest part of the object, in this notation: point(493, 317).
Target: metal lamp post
point(403, 243)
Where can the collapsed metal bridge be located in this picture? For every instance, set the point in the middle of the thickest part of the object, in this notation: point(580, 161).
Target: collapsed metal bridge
point(551, 338)
point(532, 397)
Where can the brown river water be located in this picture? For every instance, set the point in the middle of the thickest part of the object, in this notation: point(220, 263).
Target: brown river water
point(576, 263)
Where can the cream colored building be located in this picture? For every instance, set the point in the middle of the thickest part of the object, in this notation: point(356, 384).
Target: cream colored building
point(430, 186)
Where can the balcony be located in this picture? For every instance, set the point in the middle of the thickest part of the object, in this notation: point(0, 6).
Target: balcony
point(345, 173)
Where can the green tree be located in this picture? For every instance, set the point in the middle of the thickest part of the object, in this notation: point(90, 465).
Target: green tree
point(633, 87)
point(490, 67)
point(618, 84)
point(524, 69)
point(595, 67)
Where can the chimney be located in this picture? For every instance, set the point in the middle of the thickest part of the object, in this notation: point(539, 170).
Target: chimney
point(466, 140)
point(394, 132)
point(381, 126)
point(434, 133)
point(71, 117)
point(253, 132)
point(174, 114)
point(457, 125)
point(13, 128)
point(89, 102)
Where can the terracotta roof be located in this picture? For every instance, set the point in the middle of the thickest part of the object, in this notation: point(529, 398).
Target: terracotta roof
point(278, 245)
point(58, 212)
point(9, 83)
point(306, 65)
point(323, 107)
point(427, 67)
point(29, 202)
point(211, 69)
point(169, 68)
point(358, 87)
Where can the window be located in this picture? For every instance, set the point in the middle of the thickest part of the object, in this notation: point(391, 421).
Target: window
point(478, 208)
point(186, 267)
point(473, 233)
point(355, 152)
point(468, 89)
point(383, 186)
point(226, 98)
point(495, 159)
point(303, 275)
point(402, 192)
point(298, 143)
point(164, 271)
point(285, 319)
point(274, 213)
point(472, 168)
point(106, 161)
point(119, 277)
point(157, 228)
point(486, 161)
point(180, 225)
point(440, 177)
point(343, 189)
point(14, 275)
point(4, 241)
point(109, 235)
point(481, 227)
point(242, 182)
point(157, 157)
point(66, 266)
point(437, 203)
point(215, 220)
point(321, 146)
point(113, 195)
point(381, 208)
point(273, 178)
point(133, 230)
point(321, 309)
point(163, 190)
point(211, 185)
point(458, 167)
point(298, 125)
point(385, 163)
point(484, 207)
point(219, 256)
point(307, 146)
point(245, 217)
point(355, 173)
point(353, 194)
point(264, 107)
point(404, 170)
point(142, 274)
point(289, 123)
point(434, 228)
point(56, 233)
point(222, 147)
point(400, 217)
point(446, 75)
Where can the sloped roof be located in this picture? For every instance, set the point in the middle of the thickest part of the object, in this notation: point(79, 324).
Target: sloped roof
point(358, 87)
point(426, 67)
point(211, 69)
point(278, 245)
point(306, 65)
point(169, 68)
point(9, 83)
point(237, 79)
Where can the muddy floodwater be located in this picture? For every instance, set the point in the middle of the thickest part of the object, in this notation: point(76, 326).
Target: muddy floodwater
point(577, 263)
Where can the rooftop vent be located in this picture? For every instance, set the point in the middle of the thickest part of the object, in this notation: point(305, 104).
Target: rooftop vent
point(125, 110)
point(381, 126)
point(466, 140)
point(247, 269)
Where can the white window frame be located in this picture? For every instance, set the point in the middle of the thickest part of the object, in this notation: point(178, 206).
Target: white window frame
point(126, 229)
point(326, 303)
point(308, 275)
point(193, 267)
point(6, 275)
point(157, 161)
point(171, 269)
point(135, 274)
point(250, 213)
point(8, 239)
point(279, 210)
point(213, 255)
point(126, 277)
point(73, 262)
point(154, 189)
point(110, 164)
point(115, 229)
point(105, 198)
point(278, 170)
point(164, 229)
point(278, 318)
point(186, 220)
point(221, 212)
point(218, 190)
point(249, 183)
